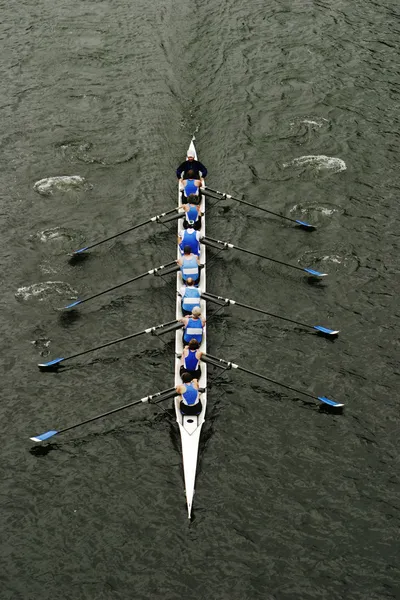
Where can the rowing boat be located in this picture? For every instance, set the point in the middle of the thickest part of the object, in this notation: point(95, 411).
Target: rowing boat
point(190, 426)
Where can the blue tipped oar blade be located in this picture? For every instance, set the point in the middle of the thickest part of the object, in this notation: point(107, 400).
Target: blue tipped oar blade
point(315, 273)
point(326, 330)
point(304, 224)
point(51, 363)
point(329, 401)
point(73, 304)
point(43, 436)
point(80, 250)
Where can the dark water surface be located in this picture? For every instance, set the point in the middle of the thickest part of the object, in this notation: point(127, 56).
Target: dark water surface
point(296, 105)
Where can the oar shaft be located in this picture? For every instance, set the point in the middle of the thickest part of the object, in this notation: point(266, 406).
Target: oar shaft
point(166, 394)
point(264, 312)
point(122, 339)
point(279, 383)
point(241, 201)
point(229, 245)
point(119, 285)
point(115, 410)
point(111, 237)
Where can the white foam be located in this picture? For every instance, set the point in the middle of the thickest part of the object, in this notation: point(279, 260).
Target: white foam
point(61, 182)
point(42, 290)
point(319, 161)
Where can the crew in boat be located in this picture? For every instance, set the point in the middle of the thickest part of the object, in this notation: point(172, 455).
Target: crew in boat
point(191, 164)
point(192, 212)
point(190, 297)
point(193, 324)
point(190, 403)
point(190, 360)
point(189, 237)
point(190, 265)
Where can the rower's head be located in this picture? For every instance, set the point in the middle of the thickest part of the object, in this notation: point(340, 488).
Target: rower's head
point(193, 199)
point(190, 155)
point(194, 345)
point(190, 174)
point(187, 250)
point(196, 311)
point(186, 377)
point(189, 281)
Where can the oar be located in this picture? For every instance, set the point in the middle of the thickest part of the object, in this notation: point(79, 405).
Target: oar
point(151, 272)
point(318, 328)
point(53, 364)
point(229, 197)
point(152, 219)
point(170, 393)
point(219, 361)
point(229, 245)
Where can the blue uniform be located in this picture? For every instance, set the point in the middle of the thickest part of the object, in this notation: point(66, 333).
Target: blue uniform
point(193, 331)
point(191, 188)
point(191, 395)
point(192, 214)
point(190, 268)
point(191, 298)
point(190, 361)
point(190, 239)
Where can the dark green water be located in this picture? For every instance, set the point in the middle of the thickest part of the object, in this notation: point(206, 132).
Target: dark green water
point(295, 106)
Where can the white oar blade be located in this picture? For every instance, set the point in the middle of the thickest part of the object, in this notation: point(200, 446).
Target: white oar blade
point(43, 436)
point(315, 273)
point(304, 224)
point(330, 402)
point(326, 330)
point(73, 304)
point(81, 250)
point(50, 364)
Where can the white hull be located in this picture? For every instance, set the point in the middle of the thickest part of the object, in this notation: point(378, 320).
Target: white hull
point(189, 426)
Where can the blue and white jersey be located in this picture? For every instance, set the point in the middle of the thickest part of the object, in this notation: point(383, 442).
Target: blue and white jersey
point(190, 268)
point(193, 330)
point(190, 361)
point(190, 187)
point(190, 297)
point(192, 214)
point(191, 238)
point(191, 395)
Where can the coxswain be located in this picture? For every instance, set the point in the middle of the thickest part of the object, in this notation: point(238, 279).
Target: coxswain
point(190, 297)
point(191, 163)
point(190, 403)
point(189, 264)
point(192, 213)
point(189, 237)
point(190, 360)
point(193, 325)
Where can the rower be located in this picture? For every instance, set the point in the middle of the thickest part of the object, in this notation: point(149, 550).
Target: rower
point(190, 360)
point(190, 403)
point(192, 212)
point(190, 297)
point(190, 185)
point(189, 237)
point(189, 264)
point(190, 163)
point(193, 324)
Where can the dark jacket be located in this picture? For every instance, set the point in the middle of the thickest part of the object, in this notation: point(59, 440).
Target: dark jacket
point(195, 165)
